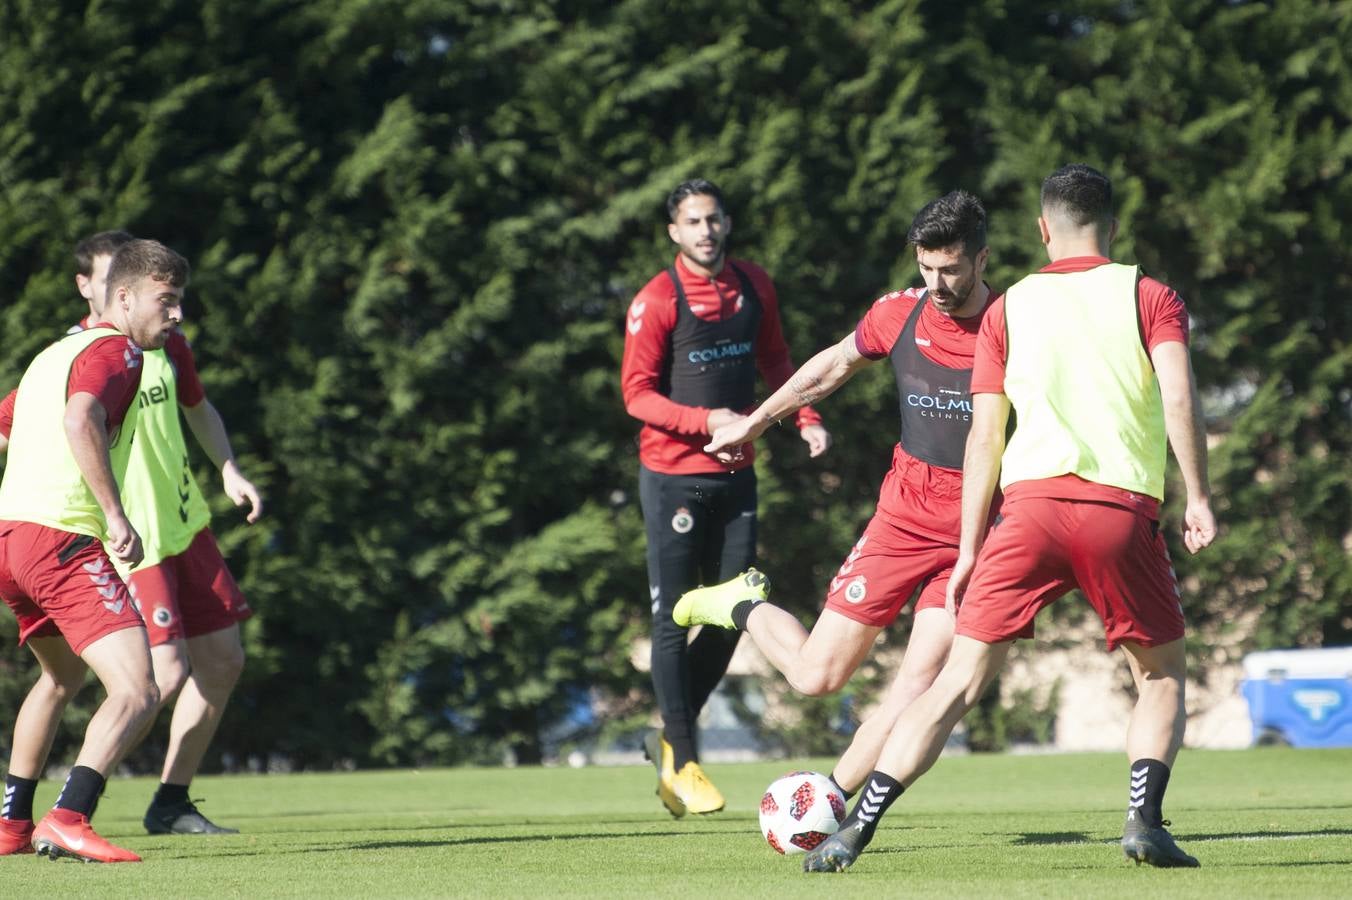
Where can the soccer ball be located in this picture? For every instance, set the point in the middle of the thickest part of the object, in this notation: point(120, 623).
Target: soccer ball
point(800, 810)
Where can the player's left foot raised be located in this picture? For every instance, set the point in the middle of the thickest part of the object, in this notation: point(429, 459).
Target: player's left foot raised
point(62, 833)
point(713, 605)
point(837, 853)
point(181, 818)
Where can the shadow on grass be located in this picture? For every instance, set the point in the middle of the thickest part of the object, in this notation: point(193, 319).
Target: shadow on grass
point(1054, 837)
point(1079, 837)
point(699, 827)
point(1262, 835)
point(348, 847)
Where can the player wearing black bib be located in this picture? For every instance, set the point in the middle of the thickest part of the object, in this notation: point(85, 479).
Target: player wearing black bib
point(697, 335)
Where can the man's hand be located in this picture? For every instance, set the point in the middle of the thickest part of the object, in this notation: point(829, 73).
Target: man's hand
point(241, 490)
point(818, 439)
point(957, 583)
point(729, 441)
point(1199, 525)
point(123, 541)
point(719, 417)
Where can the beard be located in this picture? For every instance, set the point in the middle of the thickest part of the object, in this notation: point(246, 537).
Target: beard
point(706, 257)
point(950, 300)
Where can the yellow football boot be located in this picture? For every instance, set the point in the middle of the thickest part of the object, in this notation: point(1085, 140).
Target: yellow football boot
point(656, 748)
point(696, 791)
point(713, 605)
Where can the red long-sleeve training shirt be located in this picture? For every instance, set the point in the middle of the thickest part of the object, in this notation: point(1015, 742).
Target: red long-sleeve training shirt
point(673, 435)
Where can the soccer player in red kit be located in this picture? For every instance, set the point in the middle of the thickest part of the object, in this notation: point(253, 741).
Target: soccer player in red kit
point(1092, 357)
point(62, 672)
point(911, 544)
point(696, 336)
point(183, 589)
point(61, 515)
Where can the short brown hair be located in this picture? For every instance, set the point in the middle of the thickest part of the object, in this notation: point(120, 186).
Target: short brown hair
point(105, 243)
point(139, 259)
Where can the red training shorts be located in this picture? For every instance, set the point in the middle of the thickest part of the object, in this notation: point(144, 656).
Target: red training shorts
point(885, 568)
point(1041, 548)
point(52, 577)
point(189, 594)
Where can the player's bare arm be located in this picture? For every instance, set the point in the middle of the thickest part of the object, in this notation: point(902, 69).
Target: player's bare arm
point(87, 431)
point(817, 378)
point(980, 473)
point(209, 429)
point(1187, 436)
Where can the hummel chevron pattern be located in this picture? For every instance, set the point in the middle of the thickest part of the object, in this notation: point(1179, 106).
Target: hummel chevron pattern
point(869, 805)
point(1137, 788)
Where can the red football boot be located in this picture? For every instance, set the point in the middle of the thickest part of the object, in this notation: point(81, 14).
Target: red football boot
point(16, 836)
point(65, 833)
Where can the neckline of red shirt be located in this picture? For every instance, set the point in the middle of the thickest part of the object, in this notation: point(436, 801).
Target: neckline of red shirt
point(723, 273)
point(1076, 264)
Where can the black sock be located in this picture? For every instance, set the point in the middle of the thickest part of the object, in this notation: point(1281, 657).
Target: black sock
point(18, 797)
point(95, 808)
point(878, 793)
point(682, 745)
point(170, 793)
point(1149, 779)
point(840, 787)
point(81, 792)
point(742, 611)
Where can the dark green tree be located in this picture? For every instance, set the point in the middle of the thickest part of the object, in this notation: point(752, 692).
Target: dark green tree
point(416, 226)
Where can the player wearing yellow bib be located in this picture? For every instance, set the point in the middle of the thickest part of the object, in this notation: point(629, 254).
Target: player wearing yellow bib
point(183, 589)
point(190, 602)
point(61, 516)
point(1092, 358)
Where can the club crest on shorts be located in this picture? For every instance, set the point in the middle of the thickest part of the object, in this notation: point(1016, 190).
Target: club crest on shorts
point(682, 522)
point(162, 616)
point(856, 590)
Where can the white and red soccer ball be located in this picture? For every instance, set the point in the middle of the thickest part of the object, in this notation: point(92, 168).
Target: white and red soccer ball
point(800, 810)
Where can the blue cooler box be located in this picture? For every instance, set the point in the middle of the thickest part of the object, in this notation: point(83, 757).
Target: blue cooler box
point(1300, 697)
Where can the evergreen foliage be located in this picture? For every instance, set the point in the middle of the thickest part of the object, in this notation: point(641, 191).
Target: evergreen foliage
point(415, 228)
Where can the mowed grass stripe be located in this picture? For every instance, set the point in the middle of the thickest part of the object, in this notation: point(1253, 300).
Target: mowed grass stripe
point(1265, 823)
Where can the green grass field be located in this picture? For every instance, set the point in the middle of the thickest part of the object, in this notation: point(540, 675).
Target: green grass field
point(1264, 823)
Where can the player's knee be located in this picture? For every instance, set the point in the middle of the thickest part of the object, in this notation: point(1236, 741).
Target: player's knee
point(818, 681)
point(170, 674)
point(134, 702)
point(958, 687)
point(221, 668)
point(60, 687)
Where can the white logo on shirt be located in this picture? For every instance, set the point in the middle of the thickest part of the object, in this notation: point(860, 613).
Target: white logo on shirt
point(636, 316)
